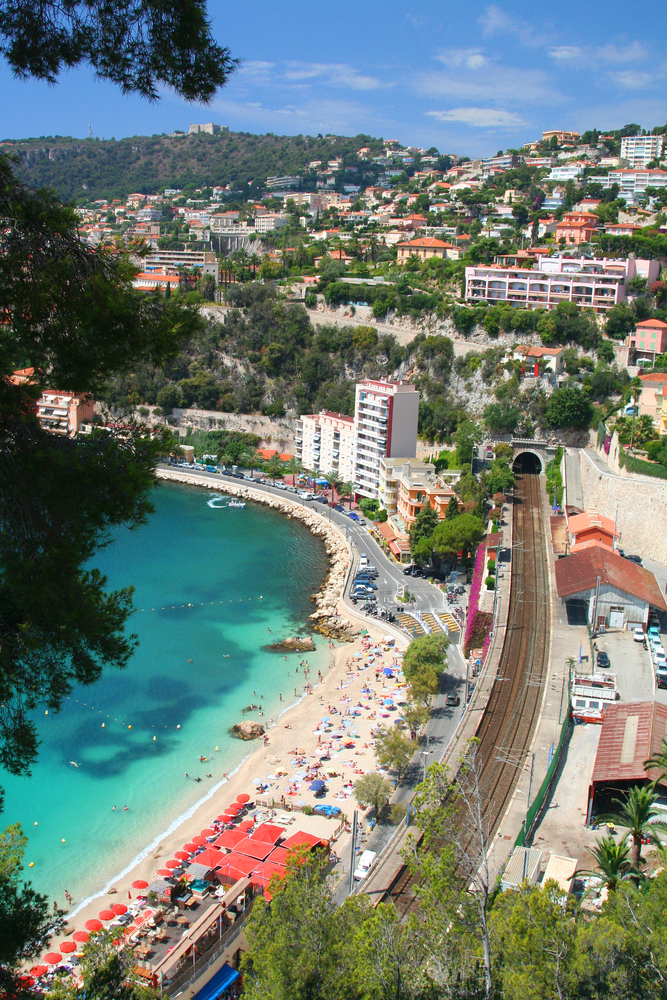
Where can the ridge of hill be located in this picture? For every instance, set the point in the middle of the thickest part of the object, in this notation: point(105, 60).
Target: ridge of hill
point(97, 168)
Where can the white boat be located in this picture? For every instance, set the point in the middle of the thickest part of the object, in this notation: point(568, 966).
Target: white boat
point(236, 503)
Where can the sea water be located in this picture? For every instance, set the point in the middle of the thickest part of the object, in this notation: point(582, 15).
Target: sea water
point(214, 586)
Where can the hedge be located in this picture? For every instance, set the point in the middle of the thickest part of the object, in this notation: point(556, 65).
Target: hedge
point(640, 466)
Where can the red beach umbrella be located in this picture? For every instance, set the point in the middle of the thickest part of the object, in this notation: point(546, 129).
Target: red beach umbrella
point(68, 946)
point(38, 970)
point(190, 848)
point(199, 841)
point(93, 925)
point(208, 833)
point(165, 872)
point(234, 807)
point(140, 884)
point(106, 914)
point(182, 855)
point(243, 797)
point(119, 908)
point(173, 864)
point(53, 958)
point(80, 936)
point(246, 826)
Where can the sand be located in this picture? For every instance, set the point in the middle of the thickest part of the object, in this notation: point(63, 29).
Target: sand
point(341, 689)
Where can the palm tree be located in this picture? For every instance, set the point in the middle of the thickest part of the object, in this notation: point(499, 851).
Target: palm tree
point(613, 862)
point(638, 815)
point(274, 467)
point(293, 468)
point(254, 260)
point(346, 490)
point(334, 482)
point(250, 460)
point(658, 760)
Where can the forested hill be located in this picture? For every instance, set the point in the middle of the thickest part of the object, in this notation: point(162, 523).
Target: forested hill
point(97, 168)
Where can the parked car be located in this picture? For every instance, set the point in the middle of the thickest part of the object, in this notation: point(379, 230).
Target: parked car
point(634, 559)
point(452, 700)
point(354, 517)
point(339, 507)
point(638, 634)
point(365, 864)
point(661, 678)
point(603, 660)
point(660, 659)
point(322, 500)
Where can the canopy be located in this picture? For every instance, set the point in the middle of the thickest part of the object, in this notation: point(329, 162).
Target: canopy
point(80, 936)
point(53, 958)
point(223, 978)
point(68, 946)
point(94, 925)
point(106, 915)
point(140, 884)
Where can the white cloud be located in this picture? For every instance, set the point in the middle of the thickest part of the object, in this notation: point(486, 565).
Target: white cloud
point(631, 79)
point(495, 21)
point(338, 74)
point(463, 58)
point(496, 83)
point(566, 53)
point(480, 117)
point(622, 53)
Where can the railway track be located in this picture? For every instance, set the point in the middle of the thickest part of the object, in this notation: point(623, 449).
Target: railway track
point(506, 729)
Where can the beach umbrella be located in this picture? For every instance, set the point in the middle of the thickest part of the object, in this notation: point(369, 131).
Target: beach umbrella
point(236, 806)
point(190, 848)
point(38, 970)
point(199, 841)
point(316, 786)
point(119, 908)
point(387, 671)
point(165, 872)
point(173, 864)
point(106, 914)
point(208, 833)
point(246, 826)
point(53, 958)
point(68, 946)
point(93, 925)
point(140, 884)
point(80, 936)
point(243, 797)
point(181, 855)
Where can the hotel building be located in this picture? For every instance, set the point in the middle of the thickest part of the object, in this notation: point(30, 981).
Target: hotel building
point(385, 425)
point(324, 442)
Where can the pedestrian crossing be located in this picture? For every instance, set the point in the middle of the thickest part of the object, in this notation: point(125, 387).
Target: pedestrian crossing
point(449, 621)
point(410, 623)
point(433, 623)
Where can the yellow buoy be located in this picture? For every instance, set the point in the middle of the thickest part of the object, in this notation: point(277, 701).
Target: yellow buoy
point(129, 727)
point(155, 737)
point(31, 865)
point(215, 748)
point(102, 725)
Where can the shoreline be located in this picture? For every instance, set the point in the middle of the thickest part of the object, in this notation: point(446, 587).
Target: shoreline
point(294, 726)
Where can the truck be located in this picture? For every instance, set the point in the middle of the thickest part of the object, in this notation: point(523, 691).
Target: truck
point(365, 864)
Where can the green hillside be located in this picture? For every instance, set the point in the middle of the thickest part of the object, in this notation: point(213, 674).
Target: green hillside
point(95, 168)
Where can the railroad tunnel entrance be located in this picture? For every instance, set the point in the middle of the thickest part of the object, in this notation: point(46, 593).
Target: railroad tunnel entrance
point(528, 461)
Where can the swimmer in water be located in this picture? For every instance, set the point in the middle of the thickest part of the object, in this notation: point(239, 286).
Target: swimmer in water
point(74, 763)
point(124, 808)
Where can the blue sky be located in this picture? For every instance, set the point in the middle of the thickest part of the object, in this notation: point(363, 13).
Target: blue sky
point(465, 77)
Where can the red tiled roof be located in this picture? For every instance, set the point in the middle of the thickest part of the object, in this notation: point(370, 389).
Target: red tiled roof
point(654, 324)
point(426, 242)
point(654, 377)
point(631, 733)
point(579, 572)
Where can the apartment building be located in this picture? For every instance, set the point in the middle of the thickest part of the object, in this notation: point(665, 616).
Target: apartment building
point(646, 341)
point(269, 222)
point(577, 227)
point(632, 183)
point(641, 149)
point(325, 442)
point(568, 172)
point(596, 284)
point(422, 248)
point(653, 399)
point(390, 470)
point(562, 136)
point(419, 488)
point(63, 413)
point(385, 423)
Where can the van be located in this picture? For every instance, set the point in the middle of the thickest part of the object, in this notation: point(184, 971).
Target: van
point(365, 864)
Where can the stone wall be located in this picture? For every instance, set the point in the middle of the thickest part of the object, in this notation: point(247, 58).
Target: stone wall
point(274, 432)
point(641, 505)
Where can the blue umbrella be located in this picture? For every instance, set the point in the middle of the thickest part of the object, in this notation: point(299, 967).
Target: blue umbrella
point(387, 671)
point(317, 786)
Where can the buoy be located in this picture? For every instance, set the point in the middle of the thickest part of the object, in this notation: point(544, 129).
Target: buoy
point(102, 725)
point(31, 865)
point(215, 748)
point(47, 712)
point(62, 841)
point(155, 737)
point(178, 727)
point(129, 727)
point(35, 824)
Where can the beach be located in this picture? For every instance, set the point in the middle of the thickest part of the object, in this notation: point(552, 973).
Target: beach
point(353, 682)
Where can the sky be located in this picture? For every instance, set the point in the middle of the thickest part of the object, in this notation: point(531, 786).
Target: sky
point(467, 78)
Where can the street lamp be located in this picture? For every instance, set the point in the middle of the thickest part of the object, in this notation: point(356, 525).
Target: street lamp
point(425, 754)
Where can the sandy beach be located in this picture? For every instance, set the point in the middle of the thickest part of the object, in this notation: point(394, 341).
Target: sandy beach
point(349, 694)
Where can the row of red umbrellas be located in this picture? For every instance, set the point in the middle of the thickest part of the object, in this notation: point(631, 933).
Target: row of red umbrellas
point(118, 909)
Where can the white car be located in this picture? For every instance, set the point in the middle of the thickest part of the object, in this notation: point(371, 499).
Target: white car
point(365, 864)
point(660, 659)
point(638, 634)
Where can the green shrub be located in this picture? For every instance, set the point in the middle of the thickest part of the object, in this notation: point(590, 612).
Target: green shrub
point(491, 566)
point(490, 582)
point(143, 411)
point(311, 300)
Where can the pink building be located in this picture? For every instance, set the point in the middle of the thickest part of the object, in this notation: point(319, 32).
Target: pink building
point(63, 413)
point(648, 340)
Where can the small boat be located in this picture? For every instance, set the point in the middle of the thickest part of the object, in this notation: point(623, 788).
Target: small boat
point(236, 503)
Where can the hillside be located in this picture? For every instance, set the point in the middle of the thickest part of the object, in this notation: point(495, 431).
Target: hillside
point(96, 168)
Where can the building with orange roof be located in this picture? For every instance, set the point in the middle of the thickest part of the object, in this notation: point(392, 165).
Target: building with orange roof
point(422, 248)
point(577, 227)
point(653, 399)
point(591, 527)
point(647, 340)
point(150, 281)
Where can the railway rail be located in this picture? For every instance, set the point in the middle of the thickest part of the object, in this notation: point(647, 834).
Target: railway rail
point(507, 726)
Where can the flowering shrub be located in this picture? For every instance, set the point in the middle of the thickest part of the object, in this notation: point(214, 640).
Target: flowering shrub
point(477, 631)
point(474, 614)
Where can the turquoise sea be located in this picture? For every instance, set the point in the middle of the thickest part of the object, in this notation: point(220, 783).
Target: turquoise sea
point(210, 583)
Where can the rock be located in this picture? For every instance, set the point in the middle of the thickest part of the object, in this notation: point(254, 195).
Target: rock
point(248, 730)
point(294, 645)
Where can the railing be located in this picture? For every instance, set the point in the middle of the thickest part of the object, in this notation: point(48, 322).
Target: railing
point(179, 985)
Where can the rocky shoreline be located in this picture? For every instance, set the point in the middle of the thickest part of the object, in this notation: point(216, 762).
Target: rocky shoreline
point(326, 618)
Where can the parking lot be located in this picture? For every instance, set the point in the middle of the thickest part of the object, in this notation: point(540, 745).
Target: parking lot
point(632, 665)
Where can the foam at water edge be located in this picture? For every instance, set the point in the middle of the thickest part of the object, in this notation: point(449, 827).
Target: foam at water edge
point(156, 840)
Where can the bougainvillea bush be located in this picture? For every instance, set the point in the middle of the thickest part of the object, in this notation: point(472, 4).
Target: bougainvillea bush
point(473, 604)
